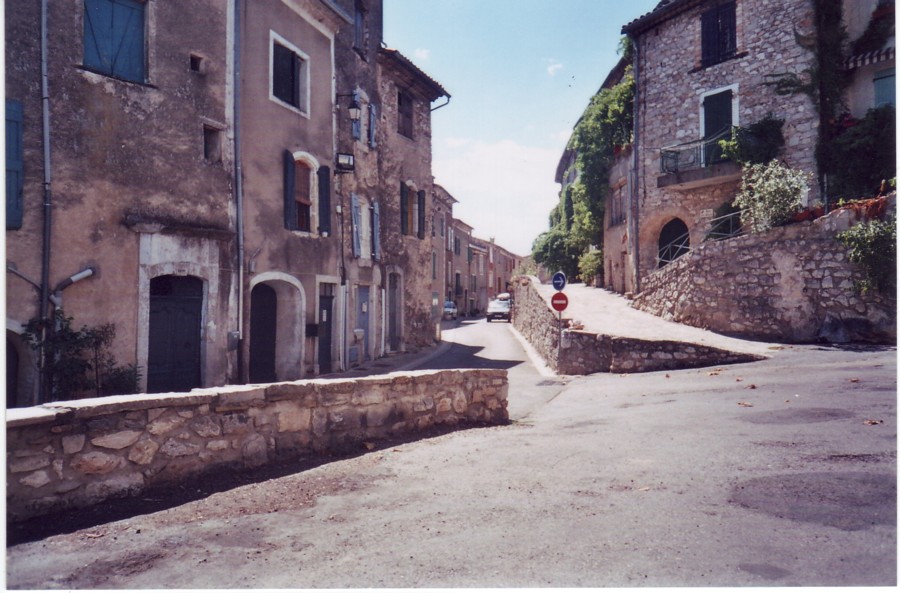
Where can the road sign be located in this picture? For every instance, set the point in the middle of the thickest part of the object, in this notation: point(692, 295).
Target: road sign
point(559, 302)
point(559, 281)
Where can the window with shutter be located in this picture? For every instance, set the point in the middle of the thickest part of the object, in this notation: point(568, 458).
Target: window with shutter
point(885, 89)
point(324, 174)
point(717, 123)
point(376, 232)
point(303, 196)
point(373, 125)
point(420, 210)
point(355, 221)
point(15, 165)
point(405, 114)
point(404, 208)
point(718, 34)
point(290, 205)
point(114, 38)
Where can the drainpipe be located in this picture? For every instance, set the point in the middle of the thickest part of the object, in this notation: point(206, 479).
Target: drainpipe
point(238, 189)
point(41, 395)
point(635, 211)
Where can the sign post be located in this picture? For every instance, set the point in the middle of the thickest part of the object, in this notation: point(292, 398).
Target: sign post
point(559, 302)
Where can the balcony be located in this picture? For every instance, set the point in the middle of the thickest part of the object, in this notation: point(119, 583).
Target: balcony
point(696, 164)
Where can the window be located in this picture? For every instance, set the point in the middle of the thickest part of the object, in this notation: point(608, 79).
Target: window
point(376, 232)
point(114, 38)
point(306, 186)
point(360, 30)
point(290, 75)
point(885, 92)
point(412, 211)
point(717, 122)
point(433, 265)
point(212, 144)
point(373, 125)
point(405, 114)
point(363, 221)
point(15, 165)
point(718, 34)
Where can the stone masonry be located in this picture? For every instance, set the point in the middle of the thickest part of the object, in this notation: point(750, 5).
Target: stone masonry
point(583, 352)
point(78, 453)
point(790, 284)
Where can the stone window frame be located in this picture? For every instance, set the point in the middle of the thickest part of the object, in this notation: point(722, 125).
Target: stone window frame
point(303, 76)
point(735, 106)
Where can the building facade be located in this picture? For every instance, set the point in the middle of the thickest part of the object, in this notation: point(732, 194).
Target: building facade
point(242, 191)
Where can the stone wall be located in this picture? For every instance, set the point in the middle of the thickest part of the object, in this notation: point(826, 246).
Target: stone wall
point(74, 454)
point(791, 284)
point(583, 353)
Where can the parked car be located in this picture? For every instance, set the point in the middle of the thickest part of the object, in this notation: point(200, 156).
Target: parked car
point(498, 309)
point(450, 311)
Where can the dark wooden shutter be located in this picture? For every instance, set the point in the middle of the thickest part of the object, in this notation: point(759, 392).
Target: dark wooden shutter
point(114, 38)
point(355, 219)
point(376, 232)
point(421, 204)
point(15, 165)
point(404, 210)
point(727, 31)
point(324, 174)
point(709, 24)
point(290, 185)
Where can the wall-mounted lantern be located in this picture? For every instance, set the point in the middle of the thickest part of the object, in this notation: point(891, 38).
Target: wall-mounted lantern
point(345, 161)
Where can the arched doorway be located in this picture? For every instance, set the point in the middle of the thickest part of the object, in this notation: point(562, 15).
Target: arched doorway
point(176, 313)
point(674, 241)
point(263, 333)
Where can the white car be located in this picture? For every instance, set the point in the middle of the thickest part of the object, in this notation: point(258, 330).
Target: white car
point(450, 310)
point(498, 309)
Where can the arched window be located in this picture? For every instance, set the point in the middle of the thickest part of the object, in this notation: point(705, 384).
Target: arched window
point(307, 194)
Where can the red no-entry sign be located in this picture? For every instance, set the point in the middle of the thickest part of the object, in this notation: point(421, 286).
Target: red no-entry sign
point(559, 302)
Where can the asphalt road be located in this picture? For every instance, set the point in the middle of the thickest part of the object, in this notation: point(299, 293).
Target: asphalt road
point(775, 473)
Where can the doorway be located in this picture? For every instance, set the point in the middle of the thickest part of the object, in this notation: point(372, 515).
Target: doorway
point(173, 360)
point(394, 311)
point(362, 319)
point(263, 333)
point(326, 327)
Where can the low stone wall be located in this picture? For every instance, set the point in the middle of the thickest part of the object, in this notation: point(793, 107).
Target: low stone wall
point(78, 453)
point(790, 284)
point(583, 353)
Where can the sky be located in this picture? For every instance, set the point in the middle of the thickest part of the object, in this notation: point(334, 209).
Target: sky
point(520, 73)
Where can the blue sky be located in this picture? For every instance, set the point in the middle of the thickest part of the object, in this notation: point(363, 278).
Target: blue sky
point(520, 73)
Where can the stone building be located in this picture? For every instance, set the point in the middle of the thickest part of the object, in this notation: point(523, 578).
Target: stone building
point(441, 244)
point(407, 185)
point(120, 201)
point(250, 188)
point(702, 68)
point(871, 65)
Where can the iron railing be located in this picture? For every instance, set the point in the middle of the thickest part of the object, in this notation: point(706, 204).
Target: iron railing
point(693, 155)
point(720, 228)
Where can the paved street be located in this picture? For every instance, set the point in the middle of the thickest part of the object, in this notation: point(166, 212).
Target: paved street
point(775, 473)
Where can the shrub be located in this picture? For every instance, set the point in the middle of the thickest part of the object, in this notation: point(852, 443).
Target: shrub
point(590, 266)
point(771, 194)
point(757, 143)
point(873, 245)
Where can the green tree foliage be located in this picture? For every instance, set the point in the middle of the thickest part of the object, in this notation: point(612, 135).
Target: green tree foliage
point(873, 245)
point(576, 223)
point(590, 266)
point(757, 143)
point(863, 155)
point(78, 362)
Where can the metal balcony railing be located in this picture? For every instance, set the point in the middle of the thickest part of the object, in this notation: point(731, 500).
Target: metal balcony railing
point(693, 155)
point(720, 228)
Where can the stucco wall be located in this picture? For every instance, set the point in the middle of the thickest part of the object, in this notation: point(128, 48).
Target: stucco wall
point(791, 284)
point(74, 454)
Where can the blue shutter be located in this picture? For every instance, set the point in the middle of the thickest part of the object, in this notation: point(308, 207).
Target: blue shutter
point(373, 125)
point(114, 38)
point(376, 232)
point(421, 204)
point(324, 174)
point(404, 208)
point(15, 165)
point(355, 220)
point(290, 189)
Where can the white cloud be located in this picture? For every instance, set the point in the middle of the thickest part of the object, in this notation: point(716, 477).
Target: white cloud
point(422, 55)
point(553, 68)
point(505, 190)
